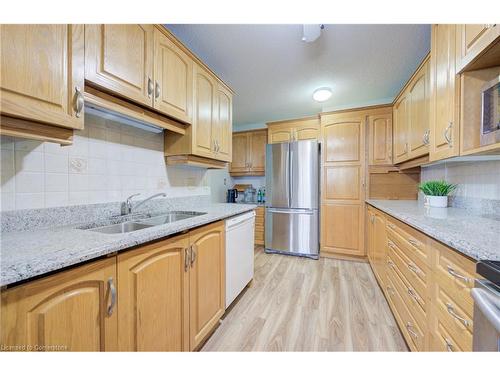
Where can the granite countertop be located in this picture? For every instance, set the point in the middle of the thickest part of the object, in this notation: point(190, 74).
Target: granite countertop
point(477, 236)
point(26, 254)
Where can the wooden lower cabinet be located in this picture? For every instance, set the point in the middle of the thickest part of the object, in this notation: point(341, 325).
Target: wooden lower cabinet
point(154, 297)
point(260, 225)
point(207, 284)
point(165, 296)
point(70, 311)
point(427, 285)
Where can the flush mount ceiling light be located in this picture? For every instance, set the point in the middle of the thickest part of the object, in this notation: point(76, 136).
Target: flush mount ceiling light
point(311, 32)
point(322, 94)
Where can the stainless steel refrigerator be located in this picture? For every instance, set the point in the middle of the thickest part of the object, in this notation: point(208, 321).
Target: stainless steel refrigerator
point(292, 198)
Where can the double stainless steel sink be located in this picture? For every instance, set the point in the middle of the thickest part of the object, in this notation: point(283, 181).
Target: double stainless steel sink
point(138, 223)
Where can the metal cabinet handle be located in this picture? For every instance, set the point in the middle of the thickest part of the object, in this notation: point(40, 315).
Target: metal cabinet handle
point(413, 242)
point(112, 291)
point(425, 139)
point(186, 259)
point(390, 289)
point(392, 226)
point(372, 219)
point(391, 263)
point(412, 294)
point(193, 254)
point(409, 328)
point(150, 87)
point(451, 311)
point(79, 102)
point(413, 268)
point(157, 90)
point(449, 345)
point(446, 136)
point(390, 244)
point(455, 274)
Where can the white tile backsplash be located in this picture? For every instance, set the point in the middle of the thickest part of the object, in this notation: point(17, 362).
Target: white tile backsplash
point(475, 179)
point(107, 162)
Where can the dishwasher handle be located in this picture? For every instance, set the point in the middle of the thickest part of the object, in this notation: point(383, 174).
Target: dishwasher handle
point(489, 305)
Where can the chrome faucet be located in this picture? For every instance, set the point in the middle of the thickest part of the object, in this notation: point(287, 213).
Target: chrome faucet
point(127, 206)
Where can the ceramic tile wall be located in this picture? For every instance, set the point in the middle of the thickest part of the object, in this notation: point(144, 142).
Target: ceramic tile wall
point(478, 179)
point(107, 162)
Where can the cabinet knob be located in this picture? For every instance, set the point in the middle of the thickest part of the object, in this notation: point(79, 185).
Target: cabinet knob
point(157, 90)
point(79, 102)
point(447, 136)
point(150, 87)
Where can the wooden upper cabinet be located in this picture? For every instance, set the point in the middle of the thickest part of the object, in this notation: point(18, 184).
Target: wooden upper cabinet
point(411, 116)
point(249, 156)
point(444, 135)
point(293, 130)
point(419, 100)
point(204, 112)
point(472, 41)
point(41, 73)
point(223, 126)
point(280, 135)
point(173, 75)
point(69, 311)
point(154, 297)
point(119, 58)
point(380, 139)
point(239, 164)
point(400, 115)
point(258, 142)
point(207, 281)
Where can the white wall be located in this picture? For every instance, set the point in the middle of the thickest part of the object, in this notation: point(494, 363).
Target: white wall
point(477, 179)
point(107, 162)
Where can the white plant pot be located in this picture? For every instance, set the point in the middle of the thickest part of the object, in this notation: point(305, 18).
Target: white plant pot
point(434, 201)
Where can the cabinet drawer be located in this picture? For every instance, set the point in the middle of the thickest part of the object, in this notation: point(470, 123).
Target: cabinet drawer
point(443, 341)
point(414, 336)
point(457, 321)
point(409, 240)
point(455, 274)
point(416, 275)
point(415, 302)
point(259, 220)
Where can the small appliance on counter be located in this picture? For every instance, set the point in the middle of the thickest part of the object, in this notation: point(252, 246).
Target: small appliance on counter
point(250, 195)
point(486, 295)
point(231, 196)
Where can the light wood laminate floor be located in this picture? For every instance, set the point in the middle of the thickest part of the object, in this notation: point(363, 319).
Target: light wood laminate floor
point(297, 304)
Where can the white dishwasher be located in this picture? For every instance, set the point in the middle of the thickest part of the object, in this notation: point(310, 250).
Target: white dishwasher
point(239, 254)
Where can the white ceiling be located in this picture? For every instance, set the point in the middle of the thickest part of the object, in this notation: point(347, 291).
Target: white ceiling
point(274, 73)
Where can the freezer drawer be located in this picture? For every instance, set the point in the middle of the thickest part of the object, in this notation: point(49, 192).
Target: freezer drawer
point(292, 231)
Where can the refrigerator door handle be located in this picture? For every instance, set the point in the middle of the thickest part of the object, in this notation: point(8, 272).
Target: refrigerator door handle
point(290, 211)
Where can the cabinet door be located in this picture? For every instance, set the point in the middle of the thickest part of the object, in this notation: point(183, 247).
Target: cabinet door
point(173, 74)
point(240, 162)
point(342, 209)
point(380, 139)
point(154, 297)
point(42, 73)
point(280, 135)
point(307, 132)
point(380, 245)
point(204, 113)
point(444, 125)
point(418, 126)
point(472, 40)
point(223, 126)
point(119, 58)
point(206, 281)
point(370, 248)
point(258, 141)
point(68, 311)
point(401, 129)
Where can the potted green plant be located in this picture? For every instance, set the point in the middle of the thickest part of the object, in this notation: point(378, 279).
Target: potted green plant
point(436, 192)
